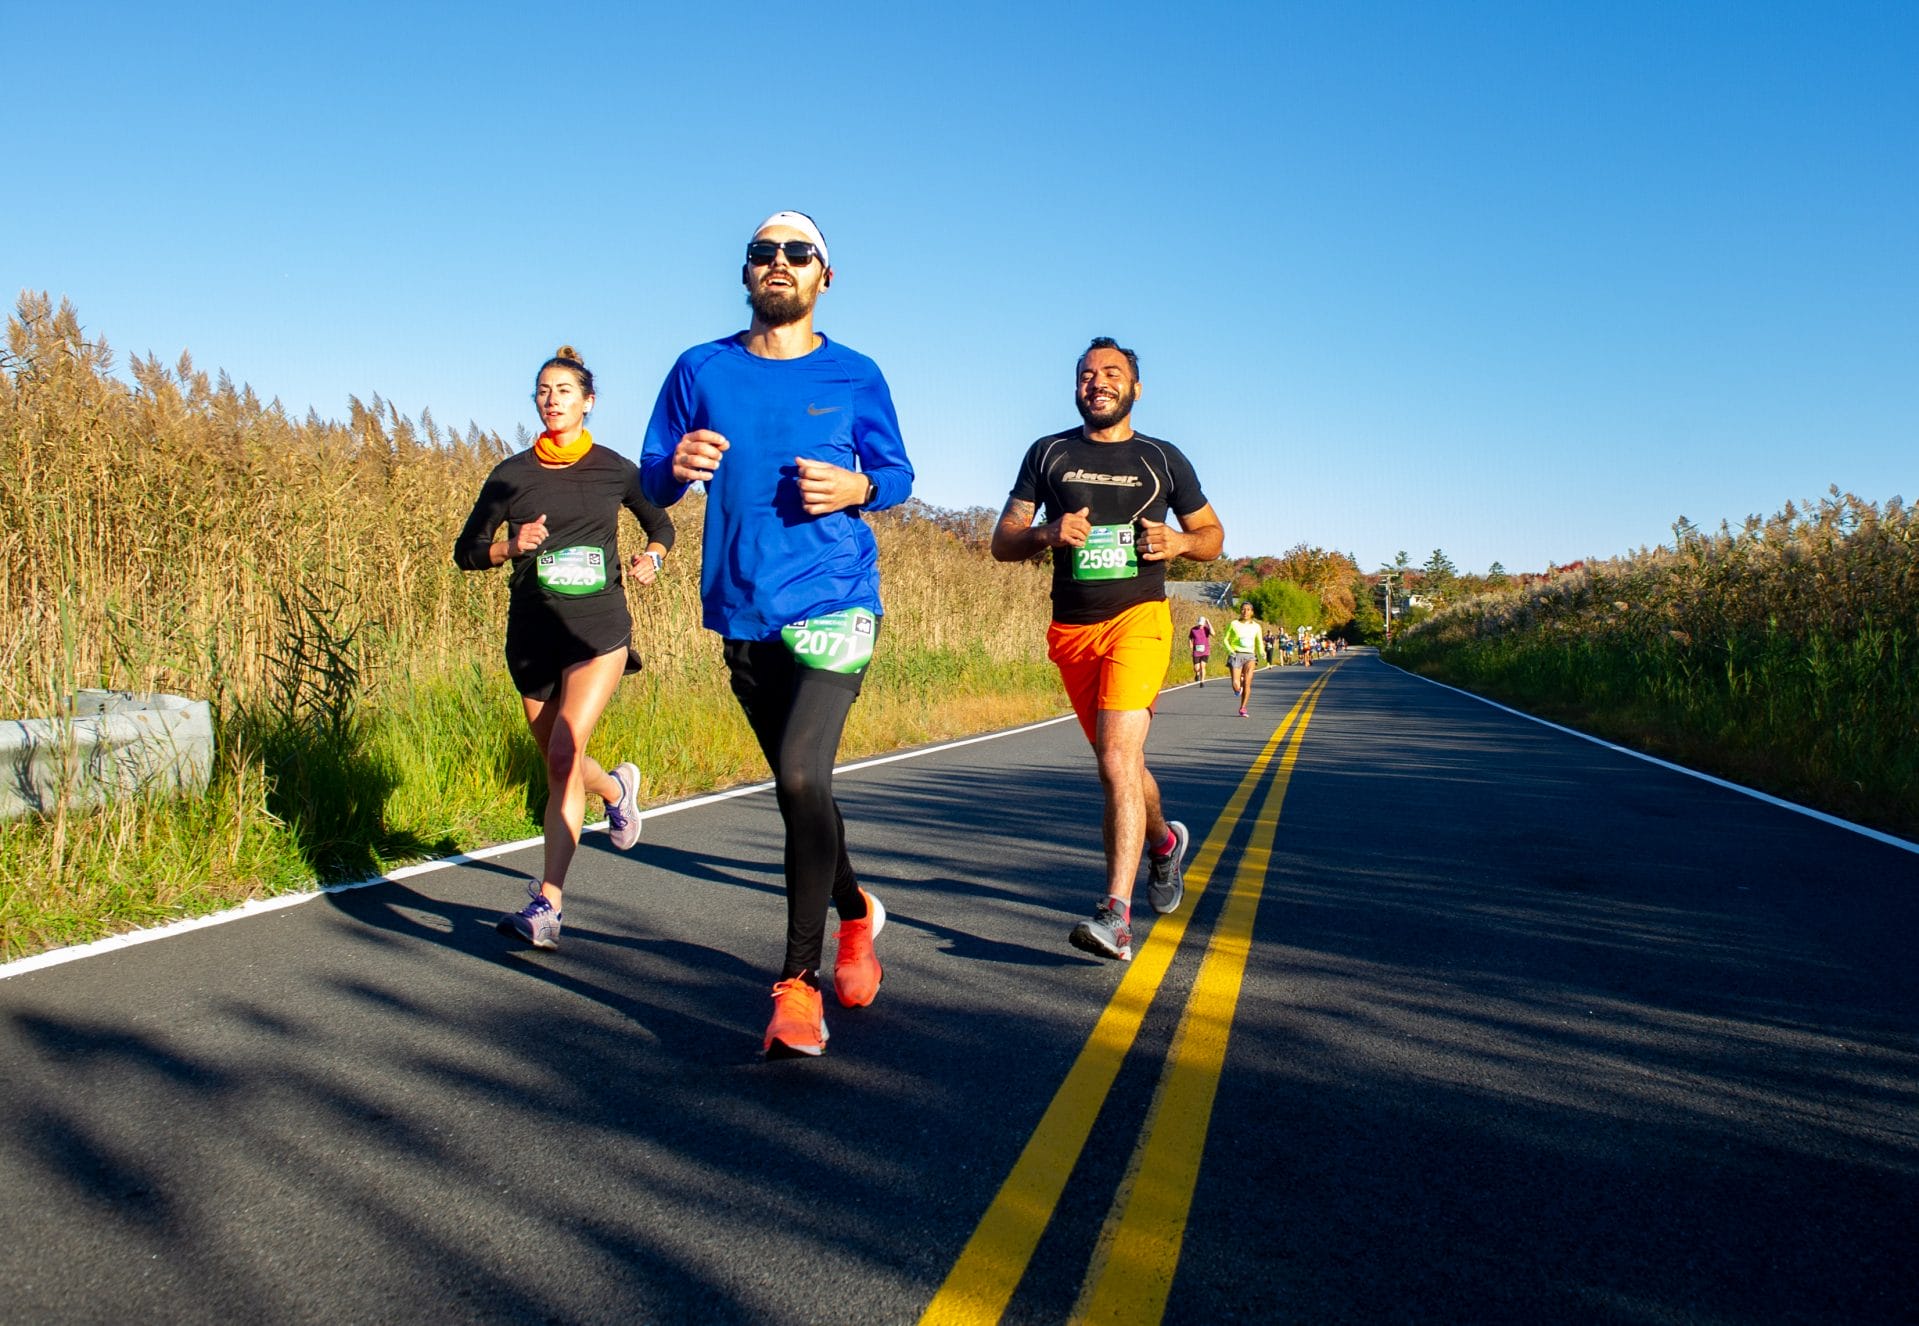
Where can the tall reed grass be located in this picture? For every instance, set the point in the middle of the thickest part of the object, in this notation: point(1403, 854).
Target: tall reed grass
point(175, 533)
point(1784, 653)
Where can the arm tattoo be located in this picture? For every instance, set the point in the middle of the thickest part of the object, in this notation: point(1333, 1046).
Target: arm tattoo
point(1013, 537)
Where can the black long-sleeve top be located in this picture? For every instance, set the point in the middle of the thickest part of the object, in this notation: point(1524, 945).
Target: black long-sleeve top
point(581, 504)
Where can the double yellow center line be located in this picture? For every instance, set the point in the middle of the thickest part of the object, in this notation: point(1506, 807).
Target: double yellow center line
point(1138, 1250)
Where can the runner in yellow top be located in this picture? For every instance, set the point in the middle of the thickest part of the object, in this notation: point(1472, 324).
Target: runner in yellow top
point(1242, 648)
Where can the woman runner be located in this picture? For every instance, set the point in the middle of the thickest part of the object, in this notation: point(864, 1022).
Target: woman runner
point(1242, 648)
point(568, 633)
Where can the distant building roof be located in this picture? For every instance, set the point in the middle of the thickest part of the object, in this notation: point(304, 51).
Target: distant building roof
point(1212, 593)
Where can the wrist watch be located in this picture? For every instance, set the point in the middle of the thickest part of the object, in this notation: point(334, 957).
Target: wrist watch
point(658, 561)
point(872, 492)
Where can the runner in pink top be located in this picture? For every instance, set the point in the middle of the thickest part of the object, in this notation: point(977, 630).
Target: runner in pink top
point(1202, 638)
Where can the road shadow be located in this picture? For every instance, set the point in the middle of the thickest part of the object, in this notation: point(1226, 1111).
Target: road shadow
point(1515, 1045)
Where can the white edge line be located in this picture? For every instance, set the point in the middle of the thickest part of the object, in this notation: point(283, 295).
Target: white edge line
point(256, 906)
point(1753, 792)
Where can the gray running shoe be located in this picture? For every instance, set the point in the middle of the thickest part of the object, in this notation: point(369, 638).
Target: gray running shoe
point(623, 816)
point(537, 923)
point(1107, 935)
point(1167, 874)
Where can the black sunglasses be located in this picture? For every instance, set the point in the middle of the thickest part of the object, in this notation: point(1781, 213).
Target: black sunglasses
point(798, 252)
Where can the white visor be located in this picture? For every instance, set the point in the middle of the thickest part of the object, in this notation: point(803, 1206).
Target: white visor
point(801, 222)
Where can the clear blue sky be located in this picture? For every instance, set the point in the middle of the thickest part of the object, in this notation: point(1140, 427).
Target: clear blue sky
point(1524, 282)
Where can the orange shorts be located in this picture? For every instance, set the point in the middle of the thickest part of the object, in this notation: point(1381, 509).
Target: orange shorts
point(1115, 664)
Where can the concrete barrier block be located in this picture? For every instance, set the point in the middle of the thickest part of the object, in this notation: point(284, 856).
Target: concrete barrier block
point(114, 743)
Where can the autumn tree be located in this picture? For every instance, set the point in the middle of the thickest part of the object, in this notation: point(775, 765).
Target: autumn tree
point(1285, 604)
point(1328, 576)
point(1368, 625)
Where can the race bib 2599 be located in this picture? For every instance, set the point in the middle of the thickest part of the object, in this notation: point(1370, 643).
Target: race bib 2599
point(1108, 554)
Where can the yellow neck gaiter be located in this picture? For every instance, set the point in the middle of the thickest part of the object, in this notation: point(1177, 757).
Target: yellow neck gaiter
point(553, 452)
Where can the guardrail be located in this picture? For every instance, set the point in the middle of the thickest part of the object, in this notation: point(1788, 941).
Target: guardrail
point(114, 743)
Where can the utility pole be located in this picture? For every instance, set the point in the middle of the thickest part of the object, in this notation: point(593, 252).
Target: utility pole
point(1386, 578)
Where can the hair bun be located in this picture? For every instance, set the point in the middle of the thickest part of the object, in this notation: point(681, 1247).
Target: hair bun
point(568, 352)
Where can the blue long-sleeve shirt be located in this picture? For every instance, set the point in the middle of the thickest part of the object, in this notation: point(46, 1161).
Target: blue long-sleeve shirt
point(765, 563)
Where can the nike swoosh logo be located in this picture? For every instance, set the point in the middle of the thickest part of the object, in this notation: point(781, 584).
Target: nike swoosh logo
point(814, 409)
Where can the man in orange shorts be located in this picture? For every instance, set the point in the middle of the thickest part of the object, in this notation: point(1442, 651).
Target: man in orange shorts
point(1107, 491)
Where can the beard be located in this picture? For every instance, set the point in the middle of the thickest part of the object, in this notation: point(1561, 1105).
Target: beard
point(1105, 418)
point(779, 308)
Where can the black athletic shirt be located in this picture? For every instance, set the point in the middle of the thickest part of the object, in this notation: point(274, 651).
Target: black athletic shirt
point(582, 507)
point(1120, 483)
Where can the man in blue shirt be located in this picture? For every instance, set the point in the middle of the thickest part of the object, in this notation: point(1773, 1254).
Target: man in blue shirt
point(795, 437)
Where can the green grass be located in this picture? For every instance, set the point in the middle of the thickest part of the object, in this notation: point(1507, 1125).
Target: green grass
point(1783, 654)
point(1822, 718)
point(77, 877)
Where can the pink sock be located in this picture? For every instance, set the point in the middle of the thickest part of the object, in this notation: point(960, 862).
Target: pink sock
point(1125, 907)
point(1166, 848)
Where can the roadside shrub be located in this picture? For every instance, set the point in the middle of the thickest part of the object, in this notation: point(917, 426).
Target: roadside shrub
point(1784, 653)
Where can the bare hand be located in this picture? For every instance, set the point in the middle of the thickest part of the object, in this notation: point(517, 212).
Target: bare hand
point(527, 537)
point(825, 487)
point(1158, 543)
point(1071, 529)
point(698, 455)
point(640, 567)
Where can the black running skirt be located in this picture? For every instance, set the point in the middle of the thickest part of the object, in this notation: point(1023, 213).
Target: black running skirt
point(542, 644)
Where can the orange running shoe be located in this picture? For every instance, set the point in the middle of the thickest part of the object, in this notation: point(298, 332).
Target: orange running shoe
point(799, 1023)
point(856, 971)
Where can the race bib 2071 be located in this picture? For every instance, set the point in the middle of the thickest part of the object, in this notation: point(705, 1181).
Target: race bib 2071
point(836, 642)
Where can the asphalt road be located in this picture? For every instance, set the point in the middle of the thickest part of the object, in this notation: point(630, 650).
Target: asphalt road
point(1468, 1021)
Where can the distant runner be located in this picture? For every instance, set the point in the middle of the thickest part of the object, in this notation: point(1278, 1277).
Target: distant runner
point(794, 436)
point(1242, 647)
point(1107, 491)
point(1202, 638)
point(568, 633)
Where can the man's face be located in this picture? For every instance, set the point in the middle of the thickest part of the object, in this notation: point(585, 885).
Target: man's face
point(1107, 388)
point(780, 293)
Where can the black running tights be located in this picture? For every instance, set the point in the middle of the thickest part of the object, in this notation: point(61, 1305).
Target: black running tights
point(798, 714)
